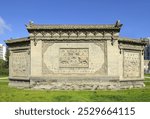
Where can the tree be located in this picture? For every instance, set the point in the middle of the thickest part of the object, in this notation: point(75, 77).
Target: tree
point(7, 57)
point(3, 68)
point(2, 64)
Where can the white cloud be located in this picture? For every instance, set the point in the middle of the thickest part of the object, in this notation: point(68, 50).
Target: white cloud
point(4, 26)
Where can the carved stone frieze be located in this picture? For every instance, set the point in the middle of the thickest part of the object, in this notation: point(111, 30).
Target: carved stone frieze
point(71, 33)
point(74, 57)
point(131, 64)
point(19, 63)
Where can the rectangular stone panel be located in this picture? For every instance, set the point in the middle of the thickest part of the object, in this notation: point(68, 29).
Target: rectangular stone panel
point(73, 57)
point(19, 64)
point(131, 64)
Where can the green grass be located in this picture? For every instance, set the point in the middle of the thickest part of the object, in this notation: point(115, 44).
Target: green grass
point(1, 76)
point(148, 75)
point(147, 79)
point(9, 94)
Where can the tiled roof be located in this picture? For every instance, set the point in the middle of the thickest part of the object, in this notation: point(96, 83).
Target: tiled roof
point(52, 26)
point(17, 40)
point(131, 40)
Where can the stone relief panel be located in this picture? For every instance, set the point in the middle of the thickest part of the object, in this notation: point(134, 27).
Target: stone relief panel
point(73, 57)
point(131, 65)
point(19, 64)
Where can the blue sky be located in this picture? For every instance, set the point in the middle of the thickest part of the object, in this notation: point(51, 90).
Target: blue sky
point(133, 14)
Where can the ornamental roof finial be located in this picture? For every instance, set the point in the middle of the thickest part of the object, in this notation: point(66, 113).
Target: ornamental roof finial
point(31, 22)
point(118, 24)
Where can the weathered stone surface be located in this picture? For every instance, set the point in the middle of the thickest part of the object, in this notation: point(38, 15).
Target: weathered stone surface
point(76, 57)
point(19, 64)
point(19, 84)
point(131, 64)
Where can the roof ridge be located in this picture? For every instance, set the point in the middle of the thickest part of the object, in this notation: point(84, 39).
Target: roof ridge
point(127, 38)
point(17, 40)
point(74, 24)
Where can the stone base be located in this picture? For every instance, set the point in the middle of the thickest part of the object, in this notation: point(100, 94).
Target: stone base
point(131, 84)
point(19, 84)
point(75, 86)
point(84, 84)
point(74, 83)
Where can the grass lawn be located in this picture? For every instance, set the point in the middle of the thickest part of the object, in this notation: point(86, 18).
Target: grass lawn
point(147, 79)
point(147, 75)
point(8, 94)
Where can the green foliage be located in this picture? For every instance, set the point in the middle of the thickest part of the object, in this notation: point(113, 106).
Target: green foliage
point(2, 63)
point(9, 94)
point(4, 72)
point(7, 58)
point(3, 68)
